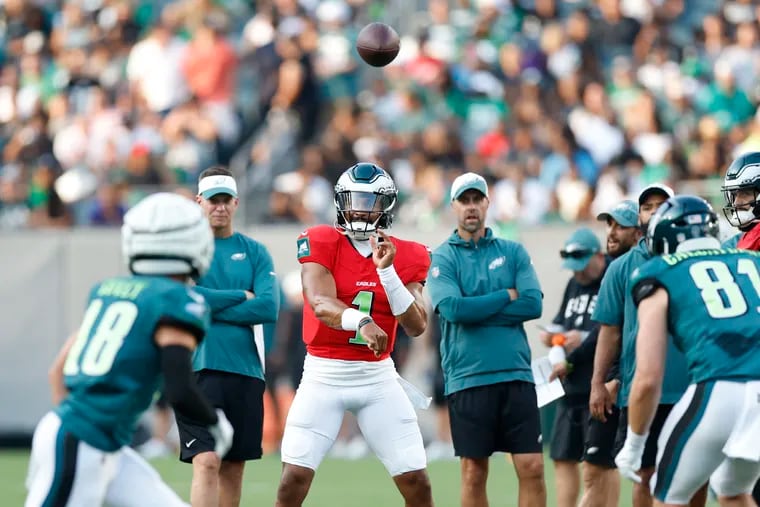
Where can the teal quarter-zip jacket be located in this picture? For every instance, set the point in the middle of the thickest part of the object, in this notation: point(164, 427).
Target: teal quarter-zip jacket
point(482, 336)
point(240, 264)
point(615, 307)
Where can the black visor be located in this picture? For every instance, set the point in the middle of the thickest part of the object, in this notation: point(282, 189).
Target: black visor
point(575, 254)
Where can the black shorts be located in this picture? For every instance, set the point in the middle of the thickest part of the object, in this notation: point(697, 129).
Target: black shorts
point(600, 440)
point(500, 417)
point(570, 431)
point(242, 399)
point(649, 459)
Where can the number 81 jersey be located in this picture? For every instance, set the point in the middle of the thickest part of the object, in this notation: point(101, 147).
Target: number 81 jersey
point(358, 286)
point(113, 369)
point(713, 309)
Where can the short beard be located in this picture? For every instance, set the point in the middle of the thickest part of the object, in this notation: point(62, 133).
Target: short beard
point(472, 228)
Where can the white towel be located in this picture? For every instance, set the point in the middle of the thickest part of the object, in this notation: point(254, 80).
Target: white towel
point(417, 397)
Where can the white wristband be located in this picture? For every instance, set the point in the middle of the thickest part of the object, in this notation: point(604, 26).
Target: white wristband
point(636, 441)
point(350, 318)
point(399, 297)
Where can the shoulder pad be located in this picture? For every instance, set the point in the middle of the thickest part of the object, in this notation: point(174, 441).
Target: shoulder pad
point(645, 288)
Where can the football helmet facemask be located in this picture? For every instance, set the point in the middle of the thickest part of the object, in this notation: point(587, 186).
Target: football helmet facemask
point(742, 174)
point(364, 199)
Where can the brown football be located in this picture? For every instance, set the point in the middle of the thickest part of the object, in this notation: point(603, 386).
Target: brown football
point(378, 44)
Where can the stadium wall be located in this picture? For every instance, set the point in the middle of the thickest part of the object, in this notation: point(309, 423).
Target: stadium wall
point(46, 277)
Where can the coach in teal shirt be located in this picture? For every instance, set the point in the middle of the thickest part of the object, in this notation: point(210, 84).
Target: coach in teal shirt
point(615, 307)
point(484, 288)
point(241, 289)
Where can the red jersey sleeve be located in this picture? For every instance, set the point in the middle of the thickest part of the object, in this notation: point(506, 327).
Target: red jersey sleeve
point(318, 244)
point(412, 261)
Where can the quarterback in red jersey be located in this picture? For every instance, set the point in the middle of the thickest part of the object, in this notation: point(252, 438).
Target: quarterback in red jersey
point(359, 283)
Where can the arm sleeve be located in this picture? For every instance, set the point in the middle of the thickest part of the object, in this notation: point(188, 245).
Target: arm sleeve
point(180, 387)
point(220, 299)
point(264, 307)
point(611, 299)
point(448, 301)
point(529, 303)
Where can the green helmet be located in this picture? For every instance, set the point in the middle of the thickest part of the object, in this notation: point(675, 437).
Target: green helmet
point(678, 219)
point(742, 174)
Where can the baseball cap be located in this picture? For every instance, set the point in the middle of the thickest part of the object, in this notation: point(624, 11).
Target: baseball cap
point(580, 247)
point(468, 181)
point(210, 186)
point(625, 213)
point(655, 188)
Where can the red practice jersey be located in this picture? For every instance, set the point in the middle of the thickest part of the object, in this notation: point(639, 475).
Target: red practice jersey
point(358, 286)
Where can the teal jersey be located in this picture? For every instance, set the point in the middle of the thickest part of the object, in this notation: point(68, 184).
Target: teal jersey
point(615, 307)
point(483, 340)
point(733, 241)
point(240, 264)
point(713, 310)
point(113, 369)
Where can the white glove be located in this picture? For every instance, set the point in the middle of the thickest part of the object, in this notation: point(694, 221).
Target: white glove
point(222, 432)
point(628, 459)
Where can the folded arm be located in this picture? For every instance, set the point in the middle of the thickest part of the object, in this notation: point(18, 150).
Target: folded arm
point(527, 306)
point(264, 306)
point(220, 299)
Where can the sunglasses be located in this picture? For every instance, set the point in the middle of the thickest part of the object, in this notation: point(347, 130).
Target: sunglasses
point(575, 254)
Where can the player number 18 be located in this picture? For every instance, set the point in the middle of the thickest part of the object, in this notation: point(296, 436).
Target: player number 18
point(93, 354)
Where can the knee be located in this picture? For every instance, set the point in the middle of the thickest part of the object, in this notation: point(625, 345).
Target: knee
point(207, 462)
point(232, 470)
point(474, 474)
point(531, 469)
point(295, 478)
point(416, 482)
point(592, 474)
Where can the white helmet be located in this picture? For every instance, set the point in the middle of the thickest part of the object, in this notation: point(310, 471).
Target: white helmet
point(167, 234)
point(364, 188)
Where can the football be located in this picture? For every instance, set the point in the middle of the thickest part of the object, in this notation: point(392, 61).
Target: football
point(378, 44)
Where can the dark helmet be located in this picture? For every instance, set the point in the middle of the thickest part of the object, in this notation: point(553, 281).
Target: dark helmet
point(742, 174)
point(678, 219)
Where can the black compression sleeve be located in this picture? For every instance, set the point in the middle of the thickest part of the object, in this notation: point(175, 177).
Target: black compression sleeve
point(180, 387)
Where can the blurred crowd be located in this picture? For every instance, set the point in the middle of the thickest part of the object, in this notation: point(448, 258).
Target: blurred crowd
point(565, 106)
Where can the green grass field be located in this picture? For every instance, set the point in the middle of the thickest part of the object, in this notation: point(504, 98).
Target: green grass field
point(338, 483)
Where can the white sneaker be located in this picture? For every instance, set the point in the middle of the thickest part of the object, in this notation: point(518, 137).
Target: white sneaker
point(154, 448)
point(440, 451)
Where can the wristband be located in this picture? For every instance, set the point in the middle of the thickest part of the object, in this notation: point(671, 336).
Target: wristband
point(634, 440)
point(366, 320)
point(399, 297)
point(351, 318)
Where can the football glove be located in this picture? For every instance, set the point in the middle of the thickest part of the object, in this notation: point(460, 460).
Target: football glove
point(222, 432)
point(628, 459)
